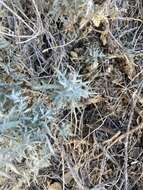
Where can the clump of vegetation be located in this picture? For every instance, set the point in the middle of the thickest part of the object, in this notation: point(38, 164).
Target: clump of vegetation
point(71, 94)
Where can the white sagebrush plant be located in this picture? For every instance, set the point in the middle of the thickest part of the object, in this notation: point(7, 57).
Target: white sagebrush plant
point(67, 90)
point(72, 90)
point(26, 133)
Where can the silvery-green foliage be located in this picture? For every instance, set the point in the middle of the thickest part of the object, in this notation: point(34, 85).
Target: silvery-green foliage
point(66, 130)
point(13, 105)
point(72, 89)
point(33, 146)
point(25, 129)
point(99, 187)
point(3, 43)
point(14, 111)
point(67, 90)
point(41, 114)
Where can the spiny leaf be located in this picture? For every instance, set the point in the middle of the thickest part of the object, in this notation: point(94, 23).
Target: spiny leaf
point(8, 125)
point(45, 87)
